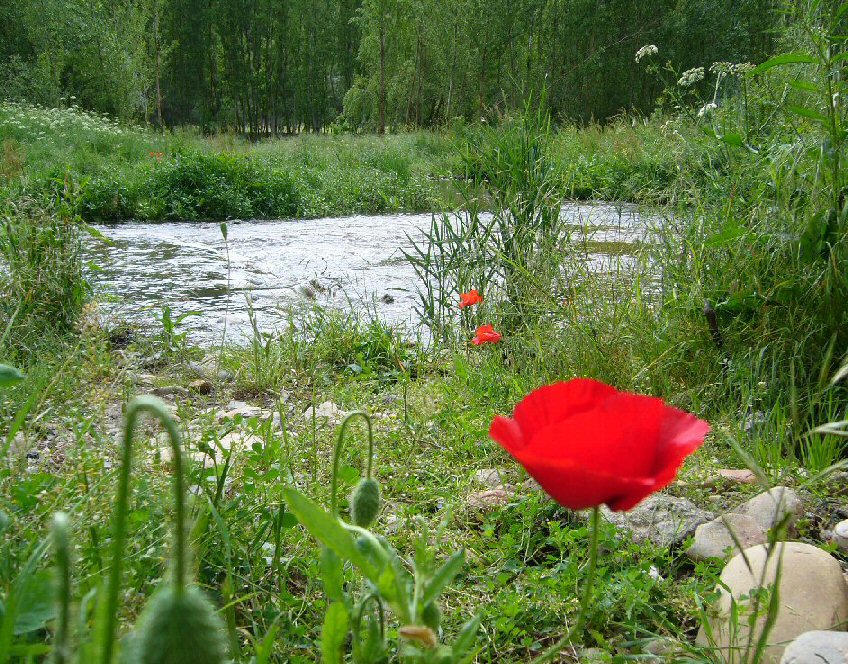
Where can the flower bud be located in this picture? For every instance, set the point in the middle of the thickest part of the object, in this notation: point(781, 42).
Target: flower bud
point(181, 628)
point(365, 503)
point(431, 616)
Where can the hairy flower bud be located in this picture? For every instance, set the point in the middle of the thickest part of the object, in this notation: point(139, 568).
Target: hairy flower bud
point(431, 616)
point(365, 503)
point(180, 628)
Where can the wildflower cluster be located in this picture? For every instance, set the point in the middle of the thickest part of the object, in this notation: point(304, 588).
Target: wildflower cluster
point(706, 109)
point(731, 69)
point(646, 51)
point(36, 121)
point(691, 76)
point(485, 334)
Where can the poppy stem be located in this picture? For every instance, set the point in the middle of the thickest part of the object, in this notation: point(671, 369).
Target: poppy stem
point(109, 615)
point(555, 650)
point(369, 468)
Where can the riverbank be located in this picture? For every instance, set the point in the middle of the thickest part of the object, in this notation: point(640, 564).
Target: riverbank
point(732, 310)
point(120, 172)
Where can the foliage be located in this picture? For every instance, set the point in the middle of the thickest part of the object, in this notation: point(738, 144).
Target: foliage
point(260, 67)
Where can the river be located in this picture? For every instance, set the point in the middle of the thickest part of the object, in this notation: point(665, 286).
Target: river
point(343, 262)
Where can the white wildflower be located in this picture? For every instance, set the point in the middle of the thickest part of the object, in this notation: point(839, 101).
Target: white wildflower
point(645, 51)
point(691, 76)
point(706, 109)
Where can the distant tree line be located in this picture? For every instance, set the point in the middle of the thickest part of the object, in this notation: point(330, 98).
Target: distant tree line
point(278, 66)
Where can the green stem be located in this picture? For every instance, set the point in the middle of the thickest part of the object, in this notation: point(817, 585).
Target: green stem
point(554, 651)
point(62, 549)
point(334, 482)
point(119, 533)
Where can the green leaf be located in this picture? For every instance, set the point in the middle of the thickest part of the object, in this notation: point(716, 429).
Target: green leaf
point(807, 113)
point(36, 603)
point(730, 234)
point(327, 529)
point(349, 475)
point(334, 633)
point(805, 86)
point(735, 140)
point(465, 641)
point(442, 578)
point(332, 574)
point(97, 235)
point(785, 59)
point(9, 376)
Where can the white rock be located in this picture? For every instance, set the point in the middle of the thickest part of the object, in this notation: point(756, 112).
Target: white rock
point(820, 647)
point(812, 596)
point(713, 539)
point(660, 518)
point(328, 410)
point(840, 535)
point(772, 506)
point(488, 477)
point(486, 500)
point(245, 410)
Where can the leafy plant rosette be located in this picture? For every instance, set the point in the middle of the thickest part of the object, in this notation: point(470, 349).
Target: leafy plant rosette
point(588, 444)
point(386, 583)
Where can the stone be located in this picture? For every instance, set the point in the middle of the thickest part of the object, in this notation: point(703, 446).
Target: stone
point(818, 647)
point(169, 391)
point(486, 500)
point(661, 648)
point(738, 475)
point(201, 386)
point(660, 518)
point(731, 476)
point(812, 596)
point(713, 539)
point(488, 477)
point(840, 535)
point(773, 506)
point(327, 410)
point(241, 409)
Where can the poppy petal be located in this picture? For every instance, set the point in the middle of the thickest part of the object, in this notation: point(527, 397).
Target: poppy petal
point(559, 401)
point(576, 487)
point(506, 432)
point(618, 437)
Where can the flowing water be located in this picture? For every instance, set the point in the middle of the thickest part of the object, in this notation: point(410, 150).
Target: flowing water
point(343, 262)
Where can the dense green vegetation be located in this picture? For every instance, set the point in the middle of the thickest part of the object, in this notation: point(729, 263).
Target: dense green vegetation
point(735, 310)
point(265, 67)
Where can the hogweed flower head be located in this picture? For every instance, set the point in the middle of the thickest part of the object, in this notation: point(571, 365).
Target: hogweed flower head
point(706, 109)
point(646, 51)
point(691, 76)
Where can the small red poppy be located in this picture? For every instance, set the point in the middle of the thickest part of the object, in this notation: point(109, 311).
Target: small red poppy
point(486, 335)
point(469, 299)
point(586, 443)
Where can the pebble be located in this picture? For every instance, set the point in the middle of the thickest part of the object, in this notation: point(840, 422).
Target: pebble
point(328, 410)
point(713, 539)
point(488, 477)
point(201, 386)
point(773, 506)
point(661, 518)
point(818, 647)
point(169, 391)
point(486, 500)
point(812, 596)
point(840, 535)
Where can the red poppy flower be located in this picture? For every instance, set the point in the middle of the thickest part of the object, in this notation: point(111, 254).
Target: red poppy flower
point(486, 335)
point(587, 443)
point(469, 299)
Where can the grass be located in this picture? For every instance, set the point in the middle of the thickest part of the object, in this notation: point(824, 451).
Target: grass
point(734, 310)
point(134, 173)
